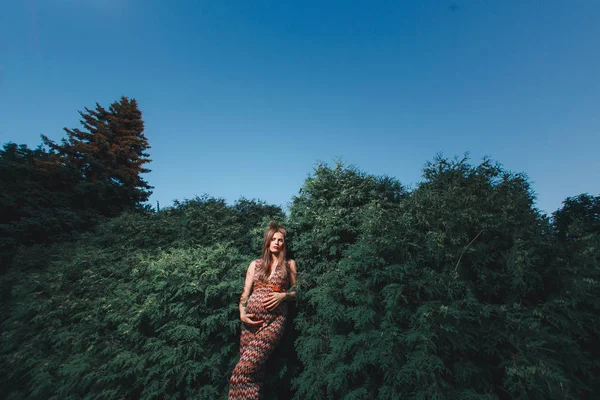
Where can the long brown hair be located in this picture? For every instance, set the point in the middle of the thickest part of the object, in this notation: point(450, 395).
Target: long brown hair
point(263, 269)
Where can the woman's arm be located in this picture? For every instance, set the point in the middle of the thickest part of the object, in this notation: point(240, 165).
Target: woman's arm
point(274, 298)
point(292, 293)
point(246, 318)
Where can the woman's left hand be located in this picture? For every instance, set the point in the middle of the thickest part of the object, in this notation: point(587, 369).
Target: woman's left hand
point(273, 300)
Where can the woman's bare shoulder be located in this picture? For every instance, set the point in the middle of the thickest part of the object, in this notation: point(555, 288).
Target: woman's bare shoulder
point(292, 264)
point(251, 265)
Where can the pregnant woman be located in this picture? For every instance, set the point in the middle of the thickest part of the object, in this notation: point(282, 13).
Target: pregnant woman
point(263, 311)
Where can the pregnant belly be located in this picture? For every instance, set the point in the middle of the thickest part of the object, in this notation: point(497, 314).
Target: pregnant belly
point(255, 305)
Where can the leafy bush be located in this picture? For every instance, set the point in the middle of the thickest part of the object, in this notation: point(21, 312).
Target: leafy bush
point(459, 288)
point(441, 293)
point(144, 307)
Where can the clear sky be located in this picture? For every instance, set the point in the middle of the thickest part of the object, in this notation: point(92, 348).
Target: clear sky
point(242, 98)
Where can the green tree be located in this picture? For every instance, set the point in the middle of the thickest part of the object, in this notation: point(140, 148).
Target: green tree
point(440, 293)
point(337, 318)
point(35, 200)
point(579, 216)
point(109, 155)
point(573, 280)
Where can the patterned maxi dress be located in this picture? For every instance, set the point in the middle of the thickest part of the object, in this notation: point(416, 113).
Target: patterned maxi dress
point(257, 343)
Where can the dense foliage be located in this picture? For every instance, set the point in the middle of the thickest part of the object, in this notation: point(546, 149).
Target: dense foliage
point(36, 200)
point(144, 307)
point(49, 194)
point(458, 288)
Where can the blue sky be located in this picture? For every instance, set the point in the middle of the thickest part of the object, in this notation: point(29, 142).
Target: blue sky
point(242, 98)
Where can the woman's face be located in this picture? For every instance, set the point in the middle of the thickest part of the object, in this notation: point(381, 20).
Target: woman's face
point(276, 243)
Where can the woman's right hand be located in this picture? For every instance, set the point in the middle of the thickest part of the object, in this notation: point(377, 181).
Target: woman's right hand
point(247, 319)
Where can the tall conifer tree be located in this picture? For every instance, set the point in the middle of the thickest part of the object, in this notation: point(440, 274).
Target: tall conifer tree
point(109, 155)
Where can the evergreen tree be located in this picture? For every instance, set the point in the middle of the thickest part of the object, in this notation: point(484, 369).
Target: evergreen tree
point(573, 283)
point(443, 293)
point(35, 200)
point(579, 216)
point(109, 156)
point(338, 313)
